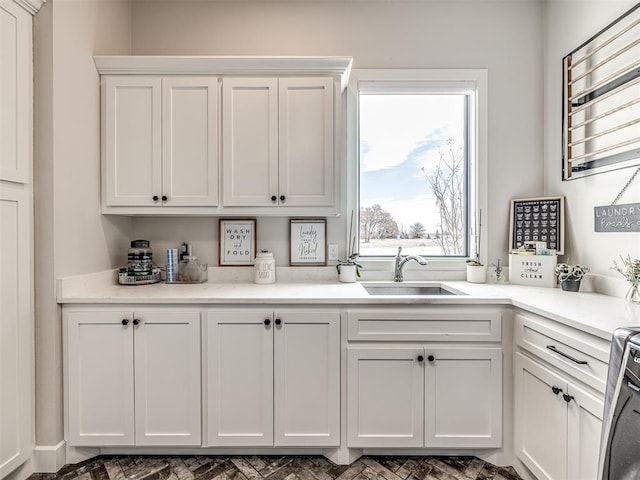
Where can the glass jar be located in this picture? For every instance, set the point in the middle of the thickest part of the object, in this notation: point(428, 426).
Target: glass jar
point(140, 258)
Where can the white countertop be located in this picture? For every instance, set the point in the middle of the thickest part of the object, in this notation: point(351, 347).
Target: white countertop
point(591, 312)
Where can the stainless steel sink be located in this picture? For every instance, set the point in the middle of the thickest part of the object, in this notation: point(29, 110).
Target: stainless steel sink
point(400, 289)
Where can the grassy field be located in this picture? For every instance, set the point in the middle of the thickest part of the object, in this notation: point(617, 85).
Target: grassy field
point(389, 246)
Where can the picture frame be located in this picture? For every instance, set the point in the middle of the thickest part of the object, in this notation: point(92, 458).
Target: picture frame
point(237, 245)
point(537, 219)
point(307, 241)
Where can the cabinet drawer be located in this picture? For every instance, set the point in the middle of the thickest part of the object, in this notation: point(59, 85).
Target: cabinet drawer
point(445, 325)
point(577, 353)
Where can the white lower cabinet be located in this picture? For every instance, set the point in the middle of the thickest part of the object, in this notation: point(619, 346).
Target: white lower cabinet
point(273, 378)
point(424, 396)
point(132, 378)
point(558, 423)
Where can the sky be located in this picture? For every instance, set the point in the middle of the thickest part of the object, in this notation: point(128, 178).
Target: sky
point(399, 135)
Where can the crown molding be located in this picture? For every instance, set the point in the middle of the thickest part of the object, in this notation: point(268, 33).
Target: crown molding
point(31, 6)
point(200, 65)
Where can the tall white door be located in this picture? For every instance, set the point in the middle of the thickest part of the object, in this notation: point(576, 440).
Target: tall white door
point(239, 364)
point(167, 377)
point(250, 141)
point(463, 397)
point(16, 327)
point(306, 150)
point(190, 141)
point(584, 430)
point(541, 419)
point(307, 378)
point(385, 397)
point(100, 389)
point(132, 143)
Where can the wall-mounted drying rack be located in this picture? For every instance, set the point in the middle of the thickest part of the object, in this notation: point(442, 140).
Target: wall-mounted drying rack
point(601, 100)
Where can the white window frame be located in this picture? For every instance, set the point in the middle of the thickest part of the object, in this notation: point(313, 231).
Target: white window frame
point(448, 80)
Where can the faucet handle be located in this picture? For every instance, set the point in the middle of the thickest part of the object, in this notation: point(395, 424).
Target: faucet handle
point(399, 250)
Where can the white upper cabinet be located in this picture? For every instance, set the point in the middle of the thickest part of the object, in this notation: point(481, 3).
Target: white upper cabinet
point(16, 92)
point(278, 147)
point(160, 146)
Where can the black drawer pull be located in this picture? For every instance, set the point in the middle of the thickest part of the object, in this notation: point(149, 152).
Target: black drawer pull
point(574, 360)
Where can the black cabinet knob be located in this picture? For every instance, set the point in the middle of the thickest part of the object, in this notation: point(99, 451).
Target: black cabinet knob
point(278, 321)
point(273, 198)
point(164, 198)
point(136, 321)
point(420, 358)
point(567, 397)
point(556, 390)
point(125, 321)
point(267, 322)
point(282, 198)
point(431, 358)
point(155, 198)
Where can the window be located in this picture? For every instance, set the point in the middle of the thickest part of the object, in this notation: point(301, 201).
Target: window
point(418, 151)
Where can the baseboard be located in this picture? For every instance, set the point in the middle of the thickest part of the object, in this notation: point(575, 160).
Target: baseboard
point(23, 472)
point(49, 459)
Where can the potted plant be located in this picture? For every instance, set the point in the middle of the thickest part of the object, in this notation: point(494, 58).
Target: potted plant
point(349, 268)
point(630, 269)
point(570, 276)
point(476, 271)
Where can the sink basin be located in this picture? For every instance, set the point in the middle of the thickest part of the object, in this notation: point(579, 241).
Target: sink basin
point(400, 289)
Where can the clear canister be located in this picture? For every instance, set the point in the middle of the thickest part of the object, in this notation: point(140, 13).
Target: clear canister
point(140, 258)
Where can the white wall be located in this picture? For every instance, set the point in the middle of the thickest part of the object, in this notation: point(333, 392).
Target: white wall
point(71, 236)
point(567, 25)
point(504, 37)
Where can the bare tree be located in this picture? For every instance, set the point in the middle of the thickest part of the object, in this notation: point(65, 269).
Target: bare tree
point(447, 183)
point(417, 230)
point(376, 223)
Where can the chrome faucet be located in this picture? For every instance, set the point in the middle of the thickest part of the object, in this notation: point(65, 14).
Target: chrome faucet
point(400, 262)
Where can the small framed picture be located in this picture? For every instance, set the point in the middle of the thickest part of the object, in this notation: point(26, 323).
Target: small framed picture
point(308, 241)
point(237, 241)
point(538, 219)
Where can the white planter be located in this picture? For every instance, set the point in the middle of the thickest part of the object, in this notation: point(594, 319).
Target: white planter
point(476, 273)
point(347, 273)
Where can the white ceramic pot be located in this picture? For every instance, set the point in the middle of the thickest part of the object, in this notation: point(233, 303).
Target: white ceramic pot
point(476, 273)
point(347, 273)
point(264, 268)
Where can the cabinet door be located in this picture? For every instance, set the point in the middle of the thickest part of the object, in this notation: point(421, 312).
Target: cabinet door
point(239, 363)
point(16, 328)
point(16, 81)
point(250, 141)
point(307, 378)
point(385, 397)
point(167, 378)
point(306, 150)
point(190, 141)
point(584, 430)
point(100, 394)
point(463, 397)
point(541, 419)
point(132, 144)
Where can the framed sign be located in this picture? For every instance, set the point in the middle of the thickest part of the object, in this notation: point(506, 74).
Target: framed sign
point(308, 241)
point(538, 219)
point(237, 241)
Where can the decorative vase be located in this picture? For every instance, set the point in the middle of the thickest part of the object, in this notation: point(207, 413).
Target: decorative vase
point(570, 284)
point(476, 273)
point(347, 273)
point(633, 295)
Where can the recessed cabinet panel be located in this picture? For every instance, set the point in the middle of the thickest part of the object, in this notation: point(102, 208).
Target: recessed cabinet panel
point(101, 376)
point(250, 141)
point(585, 428)
point(132, 140)
point(190, 133)
point(385, 397)
point(307, 379)
point(306, 155)
point(463, 399)
point(239, 378)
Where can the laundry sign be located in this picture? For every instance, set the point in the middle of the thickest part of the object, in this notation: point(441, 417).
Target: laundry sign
point(617, 218)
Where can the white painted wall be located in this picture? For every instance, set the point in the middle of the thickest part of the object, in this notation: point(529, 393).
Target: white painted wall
point(567, 25)
point(71, 236)
point(504, 37)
